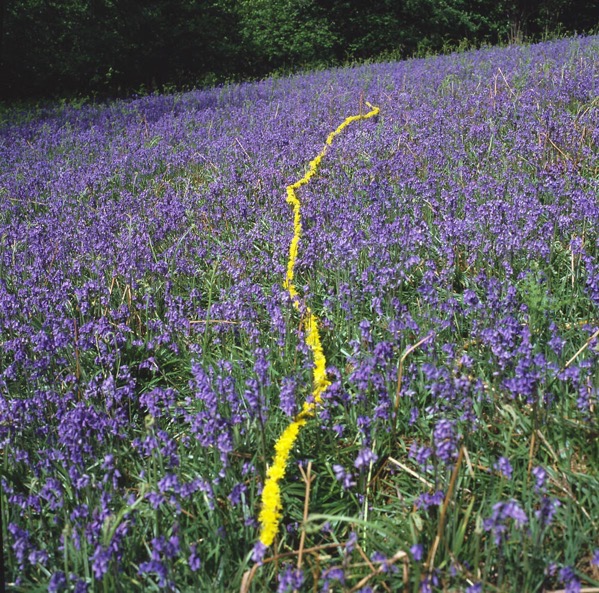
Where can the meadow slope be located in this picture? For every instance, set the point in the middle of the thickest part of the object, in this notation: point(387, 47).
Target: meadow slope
point(150, 355)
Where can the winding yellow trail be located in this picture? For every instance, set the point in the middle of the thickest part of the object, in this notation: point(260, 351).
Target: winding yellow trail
point(270, 515)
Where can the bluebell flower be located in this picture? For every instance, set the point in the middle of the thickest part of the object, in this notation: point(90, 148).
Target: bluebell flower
point(290, 579)
point(345, 477)
point(570, 580)
point(497, 524)
point(365, 458)
point(540, 475)
point(417, 551)
point(58, 582)
point(193, 559)
point(504, 467)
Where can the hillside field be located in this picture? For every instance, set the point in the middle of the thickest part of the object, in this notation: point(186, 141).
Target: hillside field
point(152, 353)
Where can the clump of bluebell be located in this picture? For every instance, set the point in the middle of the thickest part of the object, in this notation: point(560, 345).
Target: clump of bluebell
point(150, 356)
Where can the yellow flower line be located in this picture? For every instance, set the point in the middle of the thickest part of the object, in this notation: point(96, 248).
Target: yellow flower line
point(270, 514)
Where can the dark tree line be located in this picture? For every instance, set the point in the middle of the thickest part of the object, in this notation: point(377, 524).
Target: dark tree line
point(111, 47)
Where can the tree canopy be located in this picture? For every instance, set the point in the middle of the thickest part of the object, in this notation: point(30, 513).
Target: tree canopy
point(111, 47)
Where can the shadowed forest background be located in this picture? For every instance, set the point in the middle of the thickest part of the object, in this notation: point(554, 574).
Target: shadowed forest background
point(103, 48)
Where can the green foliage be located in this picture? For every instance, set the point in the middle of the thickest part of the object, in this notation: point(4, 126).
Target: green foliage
point(285, 33)
point(108, 47)
point(114, 46)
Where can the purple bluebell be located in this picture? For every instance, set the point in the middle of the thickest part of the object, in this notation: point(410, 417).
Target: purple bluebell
point(502, 514)
point(290, 579)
